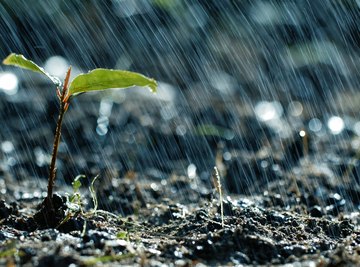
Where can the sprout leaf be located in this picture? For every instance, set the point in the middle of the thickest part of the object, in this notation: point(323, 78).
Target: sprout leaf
point(22, 62)
point(101, 79)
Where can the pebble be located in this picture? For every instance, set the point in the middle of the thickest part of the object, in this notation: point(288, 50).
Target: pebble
point(5, 210)
point(315, 211)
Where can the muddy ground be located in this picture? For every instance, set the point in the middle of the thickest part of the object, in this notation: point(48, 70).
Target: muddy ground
point(250, 87)
point(286, 198)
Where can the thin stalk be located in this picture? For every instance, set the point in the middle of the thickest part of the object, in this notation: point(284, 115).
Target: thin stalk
point(63, 107)
point(52, 173)
point(218, 188)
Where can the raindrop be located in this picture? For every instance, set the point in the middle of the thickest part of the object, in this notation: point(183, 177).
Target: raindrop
point(37, 194)
point(2, 187)
point(264, 164)
point(315, 125)
point(154, 186)
point(56, 66)
point(295, 108)
point(168, 112)
point(101, 129)
point(267, 111)
point(276, 167)
point(178, 254)
point(227, 156)
point(302, 133)
point(336, 124)
point(40, 156)
point(356, 128)
point(104, 113)
point(146, 120)
point(7, 146)
point(9, 83)
point(229, 135)
point(222, 81)
point(26, 195)
point(152, 251)
point(105, 107)
point(11, 161)
point(191, 171)
point(103, 120)
point(181, 130)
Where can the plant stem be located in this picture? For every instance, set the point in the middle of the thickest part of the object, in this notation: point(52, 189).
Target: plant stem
point(52, 173)
point(63, 107)
point(218, 188)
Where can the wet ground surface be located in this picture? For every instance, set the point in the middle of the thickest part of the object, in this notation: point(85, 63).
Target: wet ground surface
point(286, 198)
point(266, 91)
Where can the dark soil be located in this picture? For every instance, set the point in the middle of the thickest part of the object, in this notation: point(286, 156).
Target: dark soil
point(283, 202)
point(288, 199)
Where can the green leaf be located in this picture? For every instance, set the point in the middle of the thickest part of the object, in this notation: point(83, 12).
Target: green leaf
point(101, 79)
point(122, 235)
point(22, 62)
point(76, 184)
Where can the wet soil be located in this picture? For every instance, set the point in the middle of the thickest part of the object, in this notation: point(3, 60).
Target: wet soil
point(286, 199)
point(289, 199)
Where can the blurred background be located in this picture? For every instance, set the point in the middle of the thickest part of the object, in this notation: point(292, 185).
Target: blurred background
point(265, 48)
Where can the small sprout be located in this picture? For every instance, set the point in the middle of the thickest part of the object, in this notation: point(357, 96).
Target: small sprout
point(76, 184)
point(93, 193)
point(122, 235)
point(217, 182)
point(95, 80)
point(75, 203)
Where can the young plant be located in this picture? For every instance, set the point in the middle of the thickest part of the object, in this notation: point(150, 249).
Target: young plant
point(95, 80)
point(75, 203)
point(217, 182)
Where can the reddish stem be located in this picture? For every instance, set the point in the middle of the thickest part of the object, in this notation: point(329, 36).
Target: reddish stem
point(63, 107)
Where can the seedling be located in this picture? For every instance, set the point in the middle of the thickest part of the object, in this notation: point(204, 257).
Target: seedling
point(217, 183)
point(95, 80)
point(75, 203)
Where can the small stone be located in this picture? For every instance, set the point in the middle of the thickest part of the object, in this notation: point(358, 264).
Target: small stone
point(315, 211)
point(5, 210)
